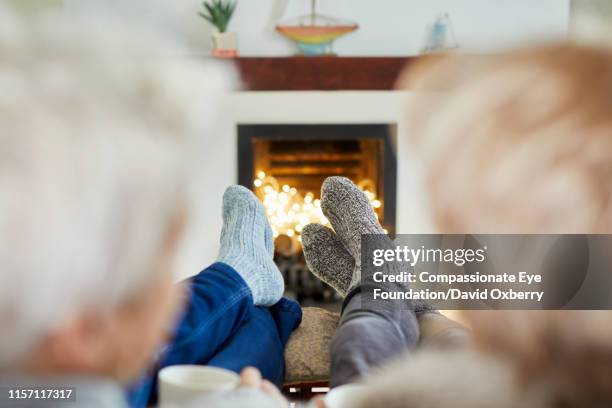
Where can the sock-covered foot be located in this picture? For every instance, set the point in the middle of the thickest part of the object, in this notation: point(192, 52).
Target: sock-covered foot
point(351, 215)
point(327, 258)
point(349, 212)
point(247, 246)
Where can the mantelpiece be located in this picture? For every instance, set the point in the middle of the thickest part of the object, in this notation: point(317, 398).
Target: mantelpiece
point(321, 73)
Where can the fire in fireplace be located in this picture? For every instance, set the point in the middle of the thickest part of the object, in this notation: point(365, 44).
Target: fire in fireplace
point(286, 164)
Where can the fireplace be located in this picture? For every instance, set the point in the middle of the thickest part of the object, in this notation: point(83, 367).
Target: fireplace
point(285, 166)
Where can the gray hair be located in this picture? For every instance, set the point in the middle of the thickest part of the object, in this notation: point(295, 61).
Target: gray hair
point(98, 135)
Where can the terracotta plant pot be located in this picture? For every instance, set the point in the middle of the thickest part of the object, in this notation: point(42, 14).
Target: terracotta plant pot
point(225, 45)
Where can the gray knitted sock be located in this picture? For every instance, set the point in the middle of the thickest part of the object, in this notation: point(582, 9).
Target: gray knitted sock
point(351, 215)
point(327, 254)
point(247, 246)
point(326, 258)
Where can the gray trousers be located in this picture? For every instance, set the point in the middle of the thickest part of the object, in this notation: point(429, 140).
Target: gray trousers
point(367, 337)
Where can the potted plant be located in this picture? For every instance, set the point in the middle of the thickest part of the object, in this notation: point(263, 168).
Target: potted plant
point(219, 14)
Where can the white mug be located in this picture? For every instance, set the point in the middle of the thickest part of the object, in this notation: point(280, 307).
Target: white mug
point(345, 396)
point(181, 384)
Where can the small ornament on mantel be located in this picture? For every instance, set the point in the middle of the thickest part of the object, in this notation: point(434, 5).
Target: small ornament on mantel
point(440, 36)
point(314, 34)
point(219, 13)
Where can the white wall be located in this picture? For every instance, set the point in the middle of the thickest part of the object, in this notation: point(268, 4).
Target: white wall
point(398, 27)
point(387, 27)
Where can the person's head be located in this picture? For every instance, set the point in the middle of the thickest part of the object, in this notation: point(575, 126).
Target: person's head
point(522, 143)
point(516, 143)
point(96, 149)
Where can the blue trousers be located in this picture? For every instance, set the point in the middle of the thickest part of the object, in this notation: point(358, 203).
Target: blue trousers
point(222, 327)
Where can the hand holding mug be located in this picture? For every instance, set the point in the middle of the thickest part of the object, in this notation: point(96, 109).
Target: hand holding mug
point(250, 377)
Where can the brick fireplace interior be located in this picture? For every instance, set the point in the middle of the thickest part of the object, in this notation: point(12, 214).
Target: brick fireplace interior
point(285, 166)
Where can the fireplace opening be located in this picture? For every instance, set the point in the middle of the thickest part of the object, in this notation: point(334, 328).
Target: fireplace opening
point(285, 166)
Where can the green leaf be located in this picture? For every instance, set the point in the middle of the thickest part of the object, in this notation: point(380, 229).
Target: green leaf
point(218, 13)
point(207, 18)
point(211, 10)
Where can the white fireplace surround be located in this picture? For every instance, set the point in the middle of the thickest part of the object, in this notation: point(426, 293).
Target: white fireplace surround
point(340, 107)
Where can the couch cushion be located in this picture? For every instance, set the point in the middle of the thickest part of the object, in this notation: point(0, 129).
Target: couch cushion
point(307, 353)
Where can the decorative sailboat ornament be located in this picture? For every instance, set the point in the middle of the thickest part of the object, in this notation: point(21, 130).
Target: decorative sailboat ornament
point(440, 35)
point(314, 34)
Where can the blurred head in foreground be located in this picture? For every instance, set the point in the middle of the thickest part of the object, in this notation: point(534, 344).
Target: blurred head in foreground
point(96, 150)
point(522, 143)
